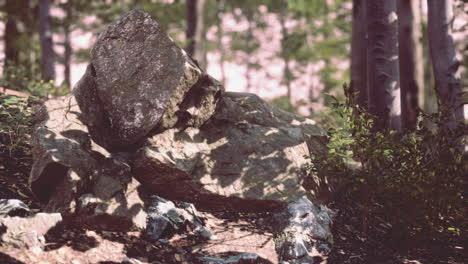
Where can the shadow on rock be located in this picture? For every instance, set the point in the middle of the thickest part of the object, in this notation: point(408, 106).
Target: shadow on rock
point(68, 235)
point(7, 259)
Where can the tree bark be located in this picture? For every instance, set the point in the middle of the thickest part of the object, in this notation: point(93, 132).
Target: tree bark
point(444, 62)
point(359, 53)
point(67, 43)
point(200, 33)
point(219, 38)
point(411, 60)
point(248, 45)
point(45, 34)
point(382, 64)
point(286, 69)
point(191, 8)
point(10, 36)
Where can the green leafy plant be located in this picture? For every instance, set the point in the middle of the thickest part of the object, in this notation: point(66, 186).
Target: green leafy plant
point(16, 121)
point(417, 177)
point(19, 79)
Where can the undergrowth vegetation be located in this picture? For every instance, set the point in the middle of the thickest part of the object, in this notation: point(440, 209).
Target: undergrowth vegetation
point(16, 121)
point(417, 177)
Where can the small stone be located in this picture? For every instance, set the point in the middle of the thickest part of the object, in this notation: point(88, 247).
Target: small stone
point(36, 250)
point(178, 257)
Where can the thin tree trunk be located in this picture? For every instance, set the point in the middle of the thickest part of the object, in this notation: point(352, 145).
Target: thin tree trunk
point(382, 64)
point(45, 31)
point(359, 53)
point(411, 60)
point(200, 33)
point(286, 69)
point(248, 46)
point(219, 39)
point(428, 96)
point(444, 62)
point(67, 43)
point(191, 8)
point(10, 36)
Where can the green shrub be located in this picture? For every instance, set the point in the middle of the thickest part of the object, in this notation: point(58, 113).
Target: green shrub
point(16, 121)
point(18, 78)
point(418, 177)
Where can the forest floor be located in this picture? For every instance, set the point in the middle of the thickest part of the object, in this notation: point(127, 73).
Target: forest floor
point(236, 232)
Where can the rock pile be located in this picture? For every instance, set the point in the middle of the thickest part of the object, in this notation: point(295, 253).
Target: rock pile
point(144, 110)
point(145, 120)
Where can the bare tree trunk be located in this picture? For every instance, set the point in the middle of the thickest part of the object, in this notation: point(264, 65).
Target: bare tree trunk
point(200, 33)
point(10, 36)
point(284, 54)
point(191, 8)
point(67, 43)
point(382, 64)
point(411, 60)
point(444, 62)
point(359, 53)
point(219, 38)
point(45, 33)
point(248, 46)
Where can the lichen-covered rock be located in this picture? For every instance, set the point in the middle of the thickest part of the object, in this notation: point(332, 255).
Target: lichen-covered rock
point(303, 232)
point(249, 149)
point(166, 218)
point(138, 81)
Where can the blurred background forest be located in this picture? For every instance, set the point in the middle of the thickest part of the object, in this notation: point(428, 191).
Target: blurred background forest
point(293, 53)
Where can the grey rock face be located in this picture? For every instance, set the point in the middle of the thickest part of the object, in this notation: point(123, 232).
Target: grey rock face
point(303, 232)
point(165, 218)
point(27, 232)
point(124, 210)
point(248, 150)
point(60, 142)
point(68, 164)
point(138, 81)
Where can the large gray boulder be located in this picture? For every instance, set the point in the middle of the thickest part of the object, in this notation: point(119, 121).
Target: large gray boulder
point(138, 81)
point(249, 149)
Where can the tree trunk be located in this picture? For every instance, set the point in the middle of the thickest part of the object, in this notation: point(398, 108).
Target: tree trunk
point(200, 33)
point(284, 54)
point(219, 39)
point(45, 33)
point(444, 62)
point(411, 60)
point(359, 53)
point(10, 36)
point(382, 64)
point(67, 43)
point(248, 46)
point(191, 8)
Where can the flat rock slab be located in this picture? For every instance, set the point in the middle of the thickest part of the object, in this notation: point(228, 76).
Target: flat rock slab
point(27, 232)
point(248, 156)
